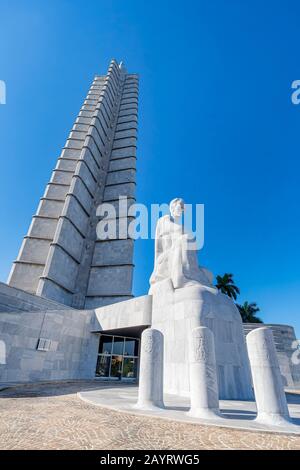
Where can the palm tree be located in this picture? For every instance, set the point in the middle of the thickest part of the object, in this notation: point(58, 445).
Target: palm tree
point(248, 312)
point(226, 285)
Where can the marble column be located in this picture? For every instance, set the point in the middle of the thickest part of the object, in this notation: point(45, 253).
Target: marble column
point(268, 386)
point(203, 376)
point(150, 393)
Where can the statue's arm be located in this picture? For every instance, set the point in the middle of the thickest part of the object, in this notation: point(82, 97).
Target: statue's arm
point(158, 242)
point(157, 252)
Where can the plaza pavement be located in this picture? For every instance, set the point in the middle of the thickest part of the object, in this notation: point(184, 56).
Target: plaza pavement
point(52, 416)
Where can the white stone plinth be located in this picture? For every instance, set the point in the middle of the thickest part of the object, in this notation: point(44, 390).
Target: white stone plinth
point(176, 312)
point(268, 386)
point(203, 376)
point(151, 370)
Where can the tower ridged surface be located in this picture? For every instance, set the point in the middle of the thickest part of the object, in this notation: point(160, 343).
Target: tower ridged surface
point(60, 257)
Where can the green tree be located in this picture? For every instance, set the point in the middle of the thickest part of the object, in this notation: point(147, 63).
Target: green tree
point(248, 312)
point(226, 285)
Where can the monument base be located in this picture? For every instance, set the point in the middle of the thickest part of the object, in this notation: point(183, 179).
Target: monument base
point(176, 312)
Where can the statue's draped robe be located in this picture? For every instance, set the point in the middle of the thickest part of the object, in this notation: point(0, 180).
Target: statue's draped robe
point(176, 256)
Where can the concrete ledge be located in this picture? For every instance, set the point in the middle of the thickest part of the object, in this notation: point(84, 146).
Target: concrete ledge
point(14, 299)
point(235, 414)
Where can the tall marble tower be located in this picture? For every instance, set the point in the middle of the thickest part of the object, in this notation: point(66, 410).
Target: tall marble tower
point(60, 257)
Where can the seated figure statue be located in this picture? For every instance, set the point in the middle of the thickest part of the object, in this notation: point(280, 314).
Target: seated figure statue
point(175, 257)
point(183, 298)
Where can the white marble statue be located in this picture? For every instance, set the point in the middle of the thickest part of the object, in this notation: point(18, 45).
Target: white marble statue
point(183, 298)
point(175, 253)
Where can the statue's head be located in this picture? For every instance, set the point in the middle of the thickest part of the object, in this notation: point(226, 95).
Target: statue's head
point(176, 207)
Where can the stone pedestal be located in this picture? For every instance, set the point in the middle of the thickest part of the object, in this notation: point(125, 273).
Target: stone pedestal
point(203, 376)
point(151, 370)
point(268, 386)
point(176, 312)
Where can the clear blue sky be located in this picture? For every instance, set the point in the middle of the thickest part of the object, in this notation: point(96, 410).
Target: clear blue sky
point(216, 125)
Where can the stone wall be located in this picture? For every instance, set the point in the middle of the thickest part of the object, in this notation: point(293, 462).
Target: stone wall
point(72, 350)
point(14, 300)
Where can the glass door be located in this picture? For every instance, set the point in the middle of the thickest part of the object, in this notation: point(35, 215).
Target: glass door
point(117, 358)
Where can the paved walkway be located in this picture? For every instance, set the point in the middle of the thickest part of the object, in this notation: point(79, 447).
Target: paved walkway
point(234, 414)
point(51, 416)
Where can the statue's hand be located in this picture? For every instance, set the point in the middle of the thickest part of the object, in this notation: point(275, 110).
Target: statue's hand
point(183, 239)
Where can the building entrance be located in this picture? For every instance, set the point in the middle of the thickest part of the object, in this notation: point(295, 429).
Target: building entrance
point(118, 358)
